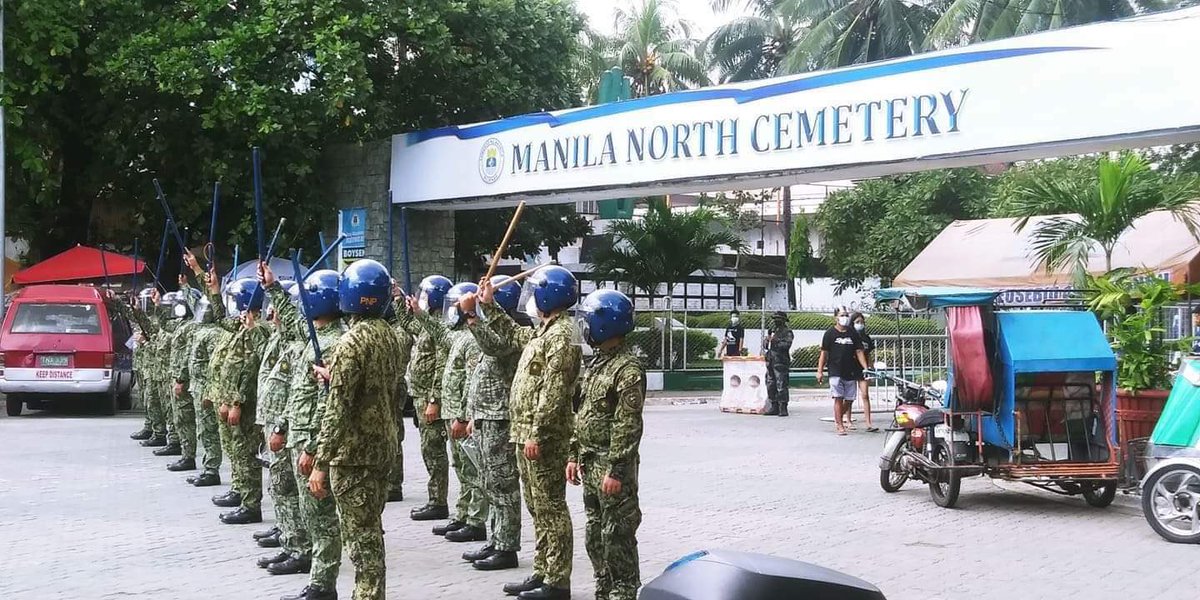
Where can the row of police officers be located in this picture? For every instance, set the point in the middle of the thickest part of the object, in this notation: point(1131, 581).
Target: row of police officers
point(320, 373)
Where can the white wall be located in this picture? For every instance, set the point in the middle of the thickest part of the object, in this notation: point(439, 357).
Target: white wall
point(820, 295)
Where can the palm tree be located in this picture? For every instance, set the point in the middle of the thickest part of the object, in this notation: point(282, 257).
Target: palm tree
point(845, 32)
point(596, 55)
point(755, 46)
point(1125, 190)
point(665, 246)
point(655, 47)
point(969, 21)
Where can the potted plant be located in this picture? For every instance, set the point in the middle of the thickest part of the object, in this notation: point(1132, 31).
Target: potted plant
point(1132, 306)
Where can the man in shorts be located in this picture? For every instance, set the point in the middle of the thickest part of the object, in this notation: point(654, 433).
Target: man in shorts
point(842, 351)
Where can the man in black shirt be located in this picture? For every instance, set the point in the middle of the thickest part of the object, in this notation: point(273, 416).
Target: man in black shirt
point(842, 351)
point(731, 345)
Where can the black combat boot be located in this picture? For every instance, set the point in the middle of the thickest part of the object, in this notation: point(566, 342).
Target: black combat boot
point(242, 516)
point(448, 527)
point(206, 479)
point(783, 408)
point(183, 464)
point(141, 434)
point(272, 532)
point(269, 542)
point(532, 583)
point(430, 513)
point(169, 450)
point(480, 554)
point(498, 561)
point(230, 499)
point(546, 592)
point(311, 593)
point(469, 533)
point(291, 566)
point(396, 496)
point(267, 561)
point(772, 408)
point(155, 441)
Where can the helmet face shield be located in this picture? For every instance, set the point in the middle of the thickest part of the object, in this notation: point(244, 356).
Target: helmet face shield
point(204, 312)
point(455, 317)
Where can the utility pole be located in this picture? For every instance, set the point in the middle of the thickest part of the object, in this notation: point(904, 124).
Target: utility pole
point(3, 163)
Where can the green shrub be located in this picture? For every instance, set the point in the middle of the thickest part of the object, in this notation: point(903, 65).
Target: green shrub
point(806, 357)
point(878, 324)
point(649, 342)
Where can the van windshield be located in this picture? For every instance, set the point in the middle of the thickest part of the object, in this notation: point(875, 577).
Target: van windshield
point(56, 318)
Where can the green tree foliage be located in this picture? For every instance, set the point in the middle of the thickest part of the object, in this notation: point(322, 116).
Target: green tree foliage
point(102, 96)
point(479, 232)
point(664, 246)
point(856, 31)
point(877, 227)
point(970, 21)
point(1006, 197)
point(801, 264)
point(755, 46)
point(655, 47)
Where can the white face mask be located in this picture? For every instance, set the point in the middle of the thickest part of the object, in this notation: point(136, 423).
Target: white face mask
point(531, 310)
point(859, 326)
point(733, 319)
point(843, 321)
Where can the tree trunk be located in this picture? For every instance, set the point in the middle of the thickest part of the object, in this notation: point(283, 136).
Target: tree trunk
point(786, 199)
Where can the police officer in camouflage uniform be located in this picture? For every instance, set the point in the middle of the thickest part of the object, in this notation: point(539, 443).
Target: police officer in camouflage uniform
point(425, 384)
point(405, 339)
point(357, 443)
point(179, 374)
point(489, 388)
point(162, 385)
point(274, 385)
point(229, 324)
point(204, 342)
point(239, 395)
point(154, 429)
point(604, 448)
point(541, 404)
point(471, 508)
point(778, 346)
point(297, 428)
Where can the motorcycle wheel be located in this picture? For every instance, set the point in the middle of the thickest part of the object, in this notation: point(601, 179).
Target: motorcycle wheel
point(1099, 495)
point(1171, 503)
point(892, 479)
point(944, 490)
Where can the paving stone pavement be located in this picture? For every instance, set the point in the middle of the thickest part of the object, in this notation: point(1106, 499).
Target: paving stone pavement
point(85, 513)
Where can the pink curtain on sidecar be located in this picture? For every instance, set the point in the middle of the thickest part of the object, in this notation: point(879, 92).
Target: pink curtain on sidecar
point(968, 355)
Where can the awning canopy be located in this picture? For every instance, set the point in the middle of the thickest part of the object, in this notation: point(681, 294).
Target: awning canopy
point(1054, 341)
point(992, 254)
point(78, 264)
point(937, 297)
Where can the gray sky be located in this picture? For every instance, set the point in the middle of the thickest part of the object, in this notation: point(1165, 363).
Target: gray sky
point(698, 12)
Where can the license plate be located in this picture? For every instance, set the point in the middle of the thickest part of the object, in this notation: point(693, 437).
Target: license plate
point(943, 431)
point(52, 360)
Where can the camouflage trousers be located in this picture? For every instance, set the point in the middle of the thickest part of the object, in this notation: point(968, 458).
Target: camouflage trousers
point(433, 452)
point(155, 419)
point(471, 507)
point(501, 485)
point(184, 409)
point(320, 520)
point(546, 499)
point(396, 476)
point(165, 397)
point(360, 493)
point(244, 440)
point(207, 432)
point(293, 538)
point(611, 533)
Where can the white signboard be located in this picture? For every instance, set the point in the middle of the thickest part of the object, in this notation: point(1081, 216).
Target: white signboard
point(1032, 96)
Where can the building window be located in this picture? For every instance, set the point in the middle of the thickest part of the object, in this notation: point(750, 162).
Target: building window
point(755, 295)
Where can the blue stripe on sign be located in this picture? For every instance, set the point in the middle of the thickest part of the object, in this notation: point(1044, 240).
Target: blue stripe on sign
point(739, 95)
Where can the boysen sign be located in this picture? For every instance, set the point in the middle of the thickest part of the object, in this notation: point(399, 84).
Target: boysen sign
point(1033, 96)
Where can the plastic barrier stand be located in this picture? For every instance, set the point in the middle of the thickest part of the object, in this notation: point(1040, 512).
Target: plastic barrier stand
point(744, 385)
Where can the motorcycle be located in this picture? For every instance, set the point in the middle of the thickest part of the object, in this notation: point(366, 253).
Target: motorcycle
point(920, 445)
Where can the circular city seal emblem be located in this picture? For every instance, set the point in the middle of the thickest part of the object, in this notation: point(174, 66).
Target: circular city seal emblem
point(491, 161)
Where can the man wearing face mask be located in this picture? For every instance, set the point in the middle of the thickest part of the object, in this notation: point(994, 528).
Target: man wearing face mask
point(735, 335)
point(201, 350)
point(779, 362)
point(180, 376)
point(425, 368)
point(842, 351)
point(461, 361)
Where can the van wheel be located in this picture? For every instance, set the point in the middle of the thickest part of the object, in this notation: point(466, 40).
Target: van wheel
point(12, 405)
point(112, 401)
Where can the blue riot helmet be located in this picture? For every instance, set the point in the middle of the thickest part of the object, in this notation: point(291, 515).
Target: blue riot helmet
point(549, 290)
point(507, 293)
point(455, 317)
point(322, 290)
point(292, 289)
point(365, 289)
point(432, 294)
point(247, 294)
point(604, 315)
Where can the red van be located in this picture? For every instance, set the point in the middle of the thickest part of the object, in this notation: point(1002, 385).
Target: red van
point(61, 341)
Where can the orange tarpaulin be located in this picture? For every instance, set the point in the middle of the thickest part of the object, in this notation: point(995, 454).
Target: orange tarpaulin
point(77, 264)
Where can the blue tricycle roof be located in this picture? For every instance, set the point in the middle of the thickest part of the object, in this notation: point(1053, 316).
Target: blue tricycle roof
point(938, 297)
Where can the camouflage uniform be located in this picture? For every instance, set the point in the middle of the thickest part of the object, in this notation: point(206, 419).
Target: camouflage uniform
point(357, 444)
point(425, 384)
point(542, 393)
point(396, 479)
point(488, 396)
point(608, 431)
point(204, 343)
point(216, 390)
point(301, 420)
point(161, 382)
point(461, 362)
point(144, 360)
point(239, 387)
point(179, 372)
point(274, 382)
